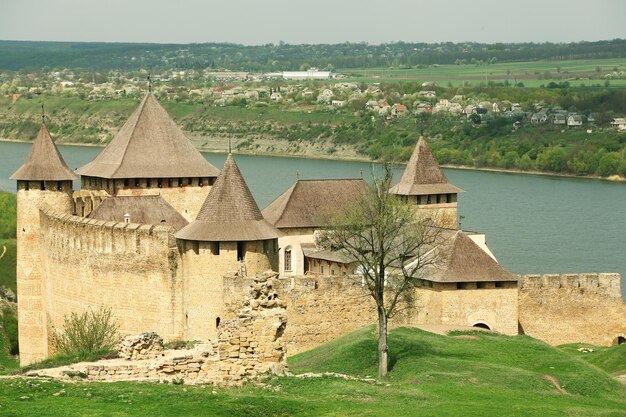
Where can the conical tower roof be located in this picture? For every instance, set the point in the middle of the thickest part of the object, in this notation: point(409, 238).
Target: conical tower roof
point(465, 261)
point(229, 212)
point(44, 161)
point(422, 175)
point(149, 145)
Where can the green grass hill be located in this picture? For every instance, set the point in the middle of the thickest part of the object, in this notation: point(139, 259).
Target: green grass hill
point(467, 374)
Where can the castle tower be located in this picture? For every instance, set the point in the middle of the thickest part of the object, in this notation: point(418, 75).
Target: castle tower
point(229, 236)
point(150, 155)
point(424, 184)
point(43, 180)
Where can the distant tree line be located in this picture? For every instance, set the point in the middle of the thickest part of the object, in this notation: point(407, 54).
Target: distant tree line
point(18, 55)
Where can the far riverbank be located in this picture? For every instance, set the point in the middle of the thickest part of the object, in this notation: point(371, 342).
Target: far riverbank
point(271, 148)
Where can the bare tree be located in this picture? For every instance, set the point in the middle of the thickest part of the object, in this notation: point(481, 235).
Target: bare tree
point(392, 246)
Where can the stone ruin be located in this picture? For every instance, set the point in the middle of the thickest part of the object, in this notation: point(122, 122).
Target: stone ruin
point(141, 346)
point(248, 345)
point(252, 343)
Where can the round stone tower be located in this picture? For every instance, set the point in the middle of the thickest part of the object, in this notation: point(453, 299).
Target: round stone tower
point(229, 237)
point(44, 180)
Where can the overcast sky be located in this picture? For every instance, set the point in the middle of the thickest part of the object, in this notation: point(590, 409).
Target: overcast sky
point(312, 21)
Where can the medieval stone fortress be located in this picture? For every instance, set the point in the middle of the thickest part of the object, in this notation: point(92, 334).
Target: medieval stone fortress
point(172, 245)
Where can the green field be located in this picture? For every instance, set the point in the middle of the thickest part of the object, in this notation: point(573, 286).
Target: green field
point(531, 73)
point(431, 375)
point(8, 207)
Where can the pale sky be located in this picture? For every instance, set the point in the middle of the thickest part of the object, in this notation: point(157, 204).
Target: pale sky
point(254, 22)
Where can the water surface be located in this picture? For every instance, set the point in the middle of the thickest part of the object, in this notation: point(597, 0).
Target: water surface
point(534, 224)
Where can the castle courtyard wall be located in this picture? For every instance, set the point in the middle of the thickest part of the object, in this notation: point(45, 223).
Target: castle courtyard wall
point(572, 308)
point(130, 268)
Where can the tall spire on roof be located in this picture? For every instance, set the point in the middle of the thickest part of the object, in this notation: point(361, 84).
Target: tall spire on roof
point(423, 175)
point(229, 212)
point(149, 145)
point(44, 162)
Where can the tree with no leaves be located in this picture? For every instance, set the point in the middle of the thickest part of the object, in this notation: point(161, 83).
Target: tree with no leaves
point(392, 247)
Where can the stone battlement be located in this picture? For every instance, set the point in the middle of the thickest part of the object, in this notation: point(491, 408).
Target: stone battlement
point(68, 232)
point(599, 283)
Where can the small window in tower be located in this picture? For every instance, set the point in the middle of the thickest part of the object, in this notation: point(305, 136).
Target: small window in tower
point(125, 182)
point(137, 182)
point(170, 182)
point(200, 182)
point(288, 259)
point(148, 182)
point(160, 182)
point(321, 268)
point(241, 251)
point(189, 181)
point(195, 246)
point(211, 181)
point(428, 199)
point(180, 182)
point(42, 185)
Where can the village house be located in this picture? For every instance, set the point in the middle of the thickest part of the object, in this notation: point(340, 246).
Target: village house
point(619, 123)
point(574, 120)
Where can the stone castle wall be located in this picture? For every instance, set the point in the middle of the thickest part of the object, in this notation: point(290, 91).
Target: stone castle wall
point(131, 268)
point(571, 308)
point(320, 309)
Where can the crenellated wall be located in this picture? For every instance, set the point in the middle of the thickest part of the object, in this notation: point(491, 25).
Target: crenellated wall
point(572, 308)
point(131, 268)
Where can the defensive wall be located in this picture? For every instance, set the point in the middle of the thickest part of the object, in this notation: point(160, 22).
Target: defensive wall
point(152, 282)
point(320, 309)
point(572, 308)
point(131, 268)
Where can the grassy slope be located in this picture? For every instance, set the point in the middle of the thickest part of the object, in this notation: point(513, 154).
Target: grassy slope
point(7, 363)
point(610, 359)
point(8, 206)
point(432, 376)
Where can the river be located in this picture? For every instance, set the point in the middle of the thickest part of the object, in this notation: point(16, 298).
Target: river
point(533, 223)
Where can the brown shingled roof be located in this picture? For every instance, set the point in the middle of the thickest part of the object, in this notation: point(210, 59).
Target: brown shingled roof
point(309, 203)
point(149, 145)
point(149, 209)
point(229, 212)
point(423, 175)
point(44, 162)
point(465, 261)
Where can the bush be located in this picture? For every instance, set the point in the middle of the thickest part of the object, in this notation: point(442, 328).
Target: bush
point(87, 332)
point(8, 320)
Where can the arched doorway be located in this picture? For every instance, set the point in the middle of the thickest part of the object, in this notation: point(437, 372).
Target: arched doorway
point(619, 340)
point(481, 325)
